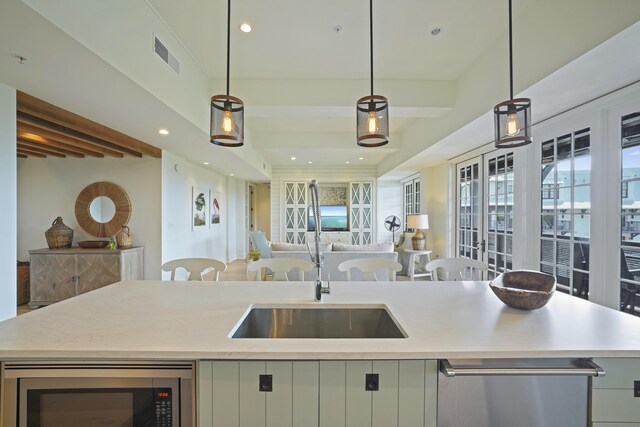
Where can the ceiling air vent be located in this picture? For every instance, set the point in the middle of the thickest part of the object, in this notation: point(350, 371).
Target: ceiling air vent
point(161, 50)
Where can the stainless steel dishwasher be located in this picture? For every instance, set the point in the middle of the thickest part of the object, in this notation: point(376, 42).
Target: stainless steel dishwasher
point(514, 392)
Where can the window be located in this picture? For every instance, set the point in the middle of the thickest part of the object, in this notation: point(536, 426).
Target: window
point(630, 216)
point(411, 199)
point(565, 192)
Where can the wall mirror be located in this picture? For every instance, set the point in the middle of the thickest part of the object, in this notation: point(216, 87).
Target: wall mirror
point(102, 208)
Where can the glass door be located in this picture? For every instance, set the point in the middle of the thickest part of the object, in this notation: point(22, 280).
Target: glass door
point(469, 237)
point(498, 217)
point(629, 128)
point(565, 191)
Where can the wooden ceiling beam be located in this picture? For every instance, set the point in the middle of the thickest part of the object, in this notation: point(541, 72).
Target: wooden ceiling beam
point(40, 150)
point(38, 108)
point(22, 151)
point(22, 156)
point(41, 127)
point(48, 142)
point(41, 146)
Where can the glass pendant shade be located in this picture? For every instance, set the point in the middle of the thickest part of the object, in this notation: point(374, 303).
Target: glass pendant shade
point(227, 121)
point(372, 121)
point(512, 121)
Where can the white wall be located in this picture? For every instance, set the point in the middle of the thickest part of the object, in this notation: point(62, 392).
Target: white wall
point(263, 207)
point(179, 176)
point(237, 226)
point(324, 176)
point(433, 185)
point(8, 211)
point(48, 188)
point(389, 203)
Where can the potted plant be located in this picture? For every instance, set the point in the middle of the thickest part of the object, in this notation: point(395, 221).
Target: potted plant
point(253, 255)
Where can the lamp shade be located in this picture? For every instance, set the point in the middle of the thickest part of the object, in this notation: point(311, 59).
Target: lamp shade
point(418, 222)
point(372, 121)
point(513, 123)
point(227, 121)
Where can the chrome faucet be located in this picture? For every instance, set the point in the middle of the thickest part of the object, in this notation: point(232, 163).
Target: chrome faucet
point(318, 261)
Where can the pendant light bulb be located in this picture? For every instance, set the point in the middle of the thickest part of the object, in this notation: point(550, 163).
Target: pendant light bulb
point(512, 127)
point(227, 122)
point(372, 122)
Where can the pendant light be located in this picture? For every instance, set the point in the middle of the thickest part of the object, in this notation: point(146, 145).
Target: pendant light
point(372, 112)
point(512, 117)
point(227, 112)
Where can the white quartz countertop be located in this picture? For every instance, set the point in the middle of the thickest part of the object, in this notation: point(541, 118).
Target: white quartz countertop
point(180, 320)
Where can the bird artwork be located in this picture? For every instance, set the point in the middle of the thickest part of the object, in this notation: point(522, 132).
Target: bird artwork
point(215, 214)
point(392, 223)
point(199, 211)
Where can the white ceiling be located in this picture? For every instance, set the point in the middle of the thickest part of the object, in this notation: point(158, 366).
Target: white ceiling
point(295, 39)
point(300, 79)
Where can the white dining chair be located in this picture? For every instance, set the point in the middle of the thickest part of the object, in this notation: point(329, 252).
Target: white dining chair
point(281, 268)
point(457, 268)
point(196, 268)
point(369, 267)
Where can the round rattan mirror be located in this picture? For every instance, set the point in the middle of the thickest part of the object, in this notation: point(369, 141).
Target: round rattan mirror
point(95, 226)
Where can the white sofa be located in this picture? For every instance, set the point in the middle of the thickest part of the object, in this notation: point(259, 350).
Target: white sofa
point(334, 255)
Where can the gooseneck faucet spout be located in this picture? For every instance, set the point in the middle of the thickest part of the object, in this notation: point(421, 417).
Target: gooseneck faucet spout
point(318, 261)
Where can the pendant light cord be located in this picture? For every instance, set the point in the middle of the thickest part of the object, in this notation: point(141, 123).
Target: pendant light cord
point(371, 40)
point(228, 40)
point(510, 54)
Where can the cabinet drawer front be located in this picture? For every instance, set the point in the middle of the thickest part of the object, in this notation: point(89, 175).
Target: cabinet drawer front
point(52, 277)
point(621, 373)
point(614, 405)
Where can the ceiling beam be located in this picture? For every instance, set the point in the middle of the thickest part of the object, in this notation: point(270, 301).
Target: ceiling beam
point(46, 142)
point(39, 149)
point(80, 125)
point(41, 146)
point(41, 127)
point(24, 152)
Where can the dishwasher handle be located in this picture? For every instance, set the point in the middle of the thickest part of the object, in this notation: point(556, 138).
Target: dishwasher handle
point(587, 367)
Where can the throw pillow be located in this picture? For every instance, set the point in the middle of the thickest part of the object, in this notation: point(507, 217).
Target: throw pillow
point(374, 247)
point(292, 247)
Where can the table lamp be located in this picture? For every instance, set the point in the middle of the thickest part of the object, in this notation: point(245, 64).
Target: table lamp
point(418, 222)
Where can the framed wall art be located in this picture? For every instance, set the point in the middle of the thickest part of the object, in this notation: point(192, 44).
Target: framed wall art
point(199, 208)
point(216, 207)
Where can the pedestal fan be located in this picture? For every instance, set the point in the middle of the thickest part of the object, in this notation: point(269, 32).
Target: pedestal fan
point(392, 223)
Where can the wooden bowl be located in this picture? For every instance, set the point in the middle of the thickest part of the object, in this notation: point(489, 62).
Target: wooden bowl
point(523, 289)
point(93, 244)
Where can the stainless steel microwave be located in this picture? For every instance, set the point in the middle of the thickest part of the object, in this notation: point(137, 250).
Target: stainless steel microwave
point(97, 394)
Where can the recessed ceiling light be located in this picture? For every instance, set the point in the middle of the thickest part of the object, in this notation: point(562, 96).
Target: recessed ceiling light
point(436, 31)
point(293, 158)
point(245, 28)
point(232, 174)
point(361, 158)
point(163, 132)
point(309, 162)
point(347, 162)
point(205, 163)
point(21, 59)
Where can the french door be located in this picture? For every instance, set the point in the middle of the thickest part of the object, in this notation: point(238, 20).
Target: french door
point(469, 229)
point(485, 196)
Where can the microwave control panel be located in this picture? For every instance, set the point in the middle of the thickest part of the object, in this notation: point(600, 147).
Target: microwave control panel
point(164, 410)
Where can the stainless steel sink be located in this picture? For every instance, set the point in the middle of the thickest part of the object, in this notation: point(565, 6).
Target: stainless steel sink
point(318, 321)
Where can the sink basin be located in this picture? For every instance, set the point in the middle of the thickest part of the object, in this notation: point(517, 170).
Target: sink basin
point(318, 321)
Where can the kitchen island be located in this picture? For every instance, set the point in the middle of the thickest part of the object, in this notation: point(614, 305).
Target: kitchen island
point(180, 321)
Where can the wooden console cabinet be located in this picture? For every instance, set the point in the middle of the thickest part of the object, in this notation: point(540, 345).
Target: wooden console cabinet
point(58, 274)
